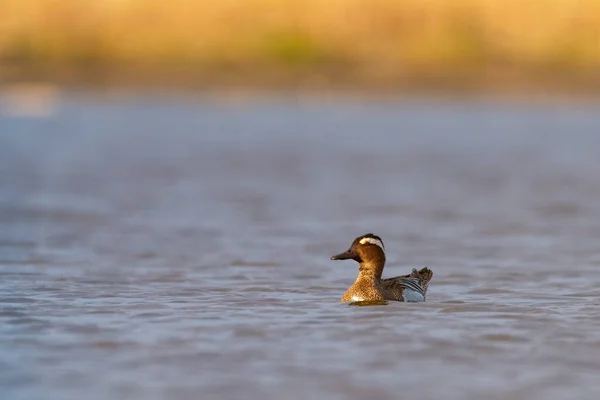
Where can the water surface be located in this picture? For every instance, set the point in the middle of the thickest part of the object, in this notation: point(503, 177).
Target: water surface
point(177, 248)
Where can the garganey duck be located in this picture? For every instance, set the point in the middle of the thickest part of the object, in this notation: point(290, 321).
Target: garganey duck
point(368, 250)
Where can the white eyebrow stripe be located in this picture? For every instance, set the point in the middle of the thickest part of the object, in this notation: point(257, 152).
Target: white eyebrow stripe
point(374, 241)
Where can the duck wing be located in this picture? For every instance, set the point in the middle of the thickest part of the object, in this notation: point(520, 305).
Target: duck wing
point(412, 287)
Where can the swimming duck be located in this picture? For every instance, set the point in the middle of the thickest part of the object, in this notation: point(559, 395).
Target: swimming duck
point(369, 251)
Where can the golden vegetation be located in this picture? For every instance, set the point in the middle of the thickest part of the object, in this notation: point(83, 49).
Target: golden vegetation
point(369, 41)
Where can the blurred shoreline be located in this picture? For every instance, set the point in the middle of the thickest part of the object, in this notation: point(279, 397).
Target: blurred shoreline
point(185, 80)
point(401, 46)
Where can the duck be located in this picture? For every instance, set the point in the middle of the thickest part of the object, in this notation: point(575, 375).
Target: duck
point(369, 251)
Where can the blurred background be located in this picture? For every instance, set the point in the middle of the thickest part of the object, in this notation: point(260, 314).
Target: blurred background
point(316, 44)
point(175, 176)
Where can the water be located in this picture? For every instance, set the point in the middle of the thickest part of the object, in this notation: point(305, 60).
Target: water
point(178, 248)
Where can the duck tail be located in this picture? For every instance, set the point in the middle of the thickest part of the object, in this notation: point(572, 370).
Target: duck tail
point(425, 274)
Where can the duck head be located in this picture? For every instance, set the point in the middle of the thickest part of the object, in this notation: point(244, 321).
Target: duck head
point(364, 249)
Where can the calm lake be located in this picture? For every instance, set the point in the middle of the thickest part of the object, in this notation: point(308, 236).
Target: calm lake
point(172, 247)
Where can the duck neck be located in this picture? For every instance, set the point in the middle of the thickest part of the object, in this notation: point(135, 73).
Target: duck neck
point(371, 269)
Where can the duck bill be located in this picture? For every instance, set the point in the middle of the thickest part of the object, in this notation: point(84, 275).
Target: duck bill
point(347, 255)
